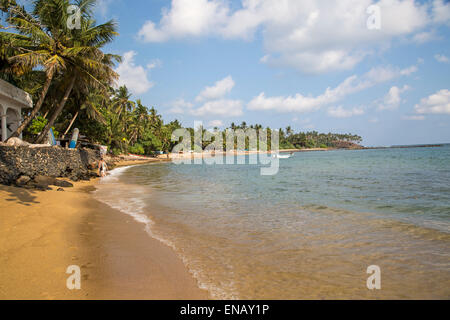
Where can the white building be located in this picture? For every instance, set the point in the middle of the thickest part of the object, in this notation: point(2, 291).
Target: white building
point(12, 101)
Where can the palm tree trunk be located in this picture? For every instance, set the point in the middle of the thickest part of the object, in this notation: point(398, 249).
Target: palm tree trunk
point(42, 136)
point(37, 107)
point(71, 124)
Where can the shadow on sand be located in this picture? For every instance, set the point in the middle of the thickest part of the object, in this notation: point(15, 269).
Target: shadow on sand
point(22, 196)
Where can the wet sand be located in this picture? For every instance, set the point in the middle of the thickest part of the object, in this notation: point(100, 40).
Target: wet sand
point(43, 233)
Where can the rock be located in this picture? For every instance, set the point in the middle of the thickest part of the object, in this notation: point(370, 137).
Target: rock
point(50, 181)
point(60, 189)
point(43, 180)
point(23, 180)
point(63, 183)
point(16, 142)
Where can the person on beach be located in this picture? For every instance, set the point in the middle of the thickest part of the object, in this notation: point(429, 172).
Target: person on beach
point(102, 168)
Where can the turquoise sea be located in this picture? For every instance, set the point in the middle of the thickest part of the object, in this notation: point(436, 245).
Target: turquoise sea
point(309, 232)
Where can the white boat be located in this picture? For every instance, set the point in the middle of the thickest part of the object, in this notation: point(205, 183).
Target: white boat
point(284, 156)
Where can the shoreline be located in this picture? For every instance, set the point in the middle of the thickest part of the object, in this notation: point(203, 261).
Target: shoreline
point(43, 233)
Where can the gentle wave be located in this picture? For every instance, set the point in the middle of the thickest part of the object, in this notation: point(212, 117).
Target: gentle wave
point(129, 199)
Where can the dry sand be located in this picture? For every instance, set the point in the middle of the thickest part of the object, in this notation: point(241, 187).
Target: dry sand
point(42, 233)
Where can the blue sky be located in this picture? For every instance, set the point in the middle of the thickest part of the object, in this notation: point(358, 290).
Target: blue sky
point(314, 65)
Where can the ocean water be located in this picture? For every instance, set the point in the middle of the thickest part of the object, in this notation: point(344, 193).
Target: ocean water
point(309, 232)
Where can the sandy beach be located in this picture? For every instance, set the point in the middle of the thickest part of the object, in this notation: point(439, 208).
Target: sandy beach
point(43, 233)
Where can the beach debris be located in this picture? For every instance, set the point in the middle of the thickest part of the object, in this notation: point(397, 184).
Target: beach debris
point(17, 142)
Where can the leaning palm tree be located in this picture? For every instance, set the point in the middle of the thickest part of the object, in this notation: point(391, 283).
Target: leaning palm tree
point(30, 47)
point(84, 76)
point(44, 40)
point(90, 68)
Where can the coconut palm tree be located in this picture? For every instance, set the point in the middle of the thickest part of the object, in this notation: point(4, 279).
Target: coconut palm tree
point(91, 104)
point(89, 68)
point(44, 40)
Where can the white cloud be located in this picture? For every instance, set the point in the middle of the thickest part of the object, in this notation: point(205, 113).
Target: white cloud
point(425, 36)
point(180, 106)
point(215, 123)
point(414, 118)
point(441, 12)
point(219, 90)
point(441, 58)
point(393, 98)
point(155, 63)
point(310, 35)
point(438, 103)
point(212, 102)
point(186, 18)
point(133, 76)
point(223, 107)
point(340, 112)
point(300, 103)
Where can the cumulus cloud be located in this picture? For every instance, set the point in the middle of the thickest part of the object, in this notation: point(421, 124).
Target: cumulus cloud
point(211, 101)
point(441, 58)
point(219, 90)
point(186, 18)
point(223, 107)
point(301, 104)
point(340, 112)
point(180, 106)
point(312, 36)
point(135, 77)
point(215, 123)
point(393, 98)
point(438, 103)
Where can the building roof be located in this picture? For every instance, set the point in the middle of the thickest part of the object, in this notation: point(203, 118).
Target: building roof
point(13, 96)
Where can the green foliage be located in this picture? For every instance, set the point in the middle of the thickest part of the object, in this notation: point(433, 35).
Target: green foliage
point(116, 151)
point(137, 149)
point(38, 124)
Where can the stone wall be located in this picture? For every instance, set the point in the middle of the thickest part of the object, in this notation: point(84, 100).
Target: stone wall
point(56, 162)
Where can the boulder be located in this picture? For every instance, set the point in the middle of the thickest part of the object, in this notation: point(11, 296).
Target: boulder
point(50, 181)
point(43, 180)
point(62, 183)
point(16, 142)
point(23, 180)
